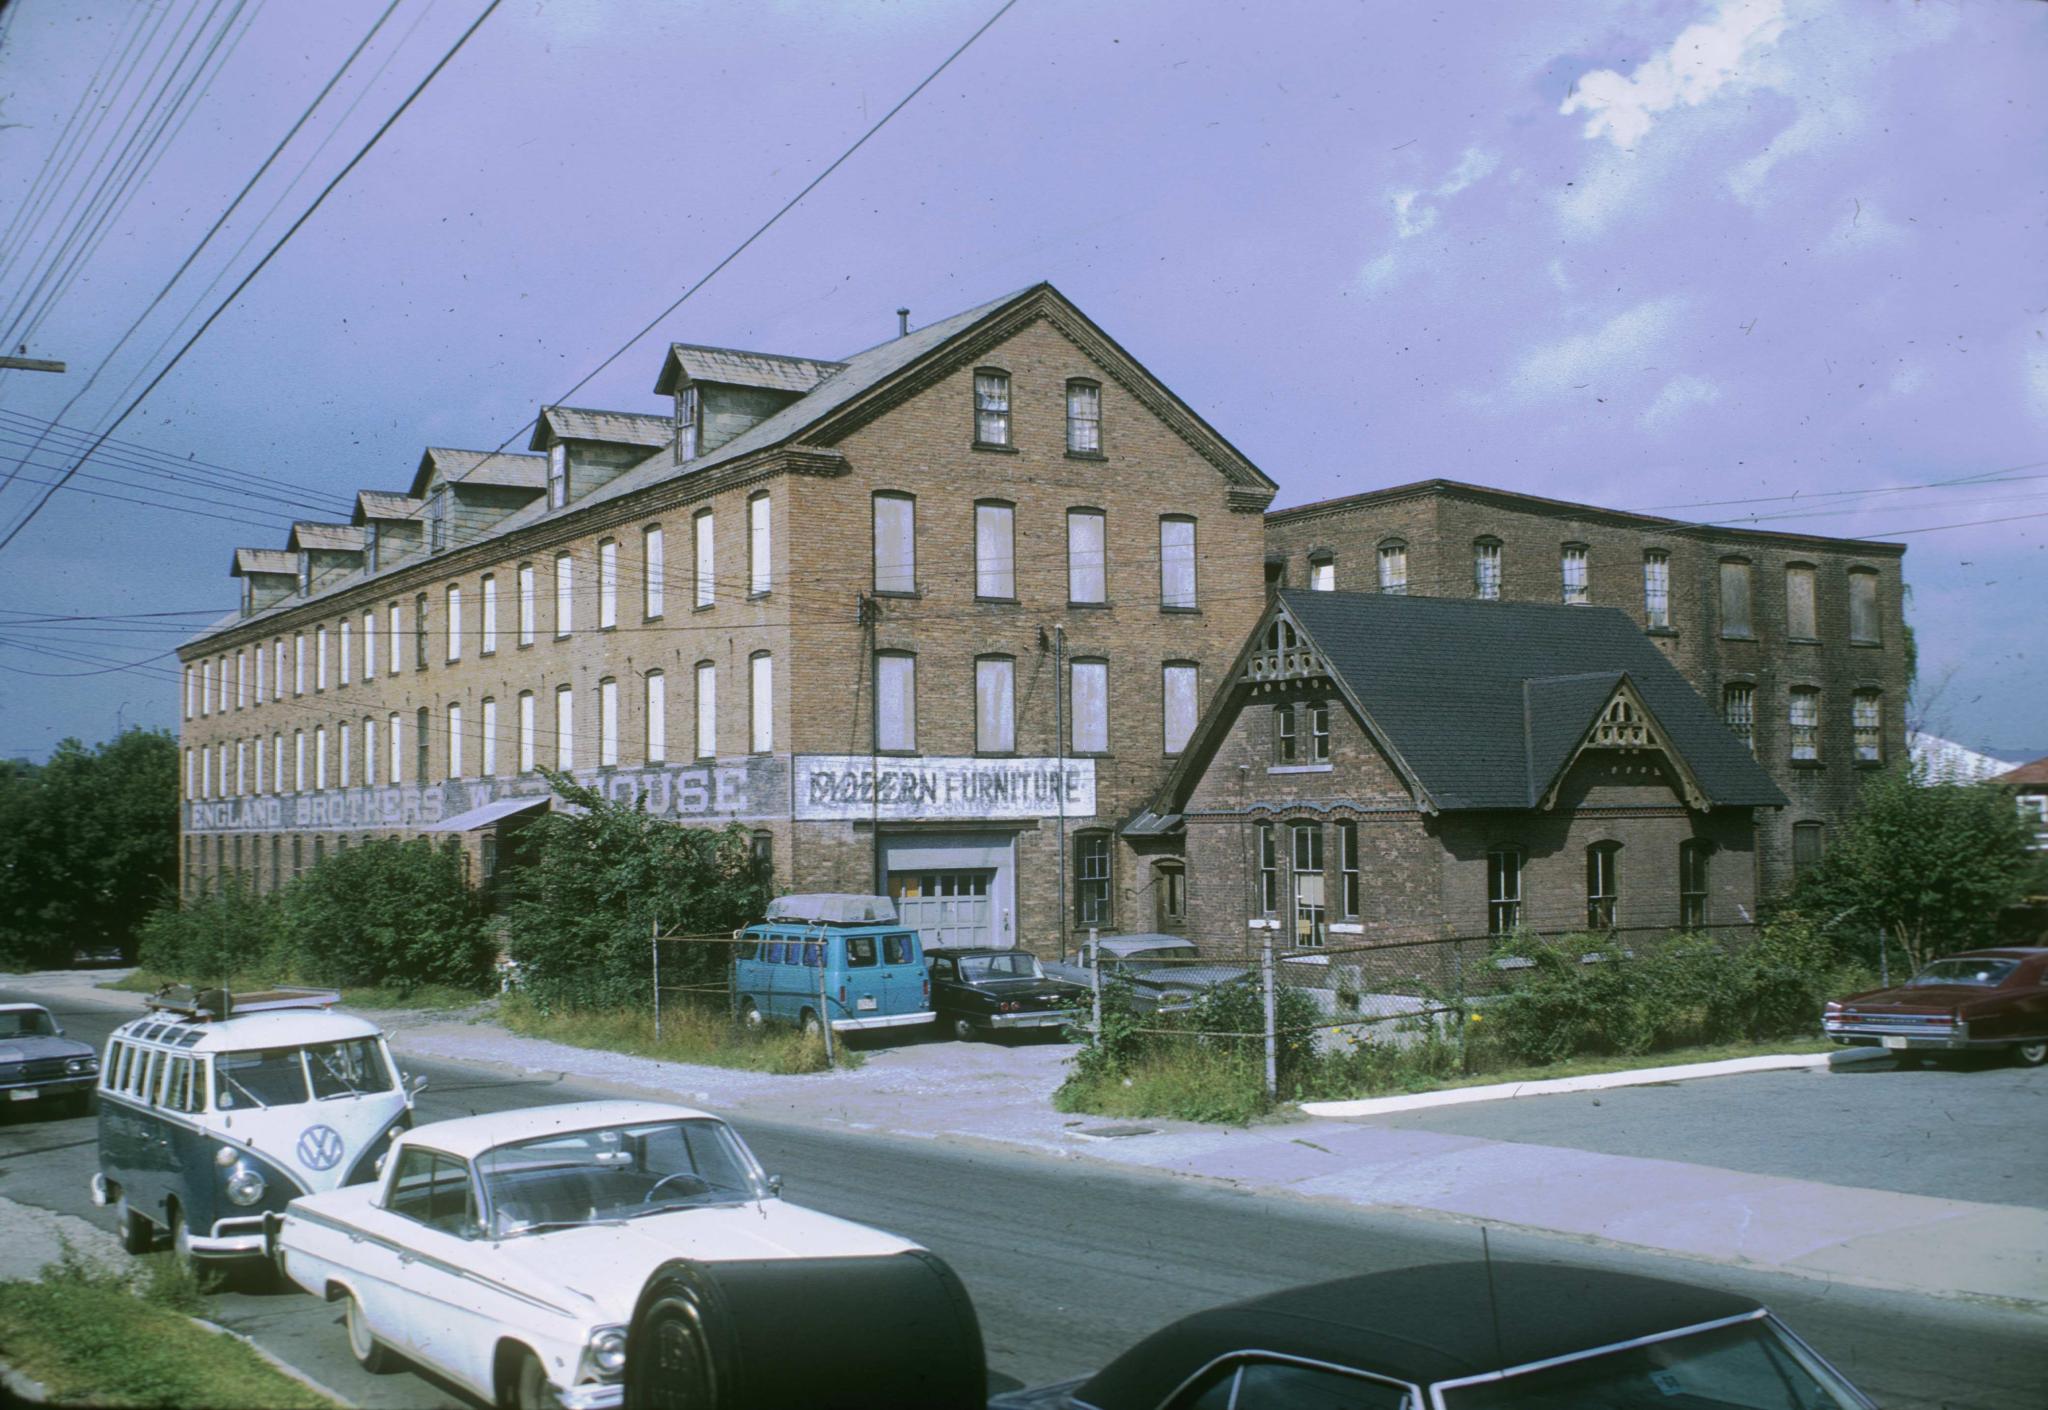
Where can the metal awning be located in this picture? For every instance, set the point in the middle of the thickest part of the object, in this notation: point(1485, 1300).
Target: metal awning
point(489, 813)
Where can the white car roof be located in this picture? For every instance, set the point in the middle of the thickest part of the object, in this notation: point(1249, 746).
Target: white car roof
point(471, 1136)
point(287, 1029)
point(22, 1008)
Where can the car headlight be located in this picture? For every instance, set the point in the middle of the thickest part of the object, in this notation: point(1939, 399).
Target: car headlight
point(245, 1186)
point(79, 1066)
point(608, 1350)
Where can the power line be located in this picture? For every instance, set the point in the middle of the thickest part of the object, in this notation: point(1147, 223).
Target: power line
point(227, 474)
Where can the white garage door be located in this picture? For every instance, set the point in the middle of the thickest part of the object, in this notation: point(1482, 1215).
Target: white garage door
point(949, 908)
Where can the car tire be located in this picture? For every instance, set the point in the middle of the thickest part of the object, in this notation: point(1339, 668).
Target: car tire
point(370, 1354)
point(2030, 1054)
point(138, 1235)
point(750, 1017)
point(810, 1025)
point(526, 1387)
point(965, 1031)
point(673, 1372)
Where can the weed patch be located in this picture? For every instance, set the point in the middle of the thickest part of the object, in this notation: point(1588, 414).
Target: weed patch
point(708, 1038)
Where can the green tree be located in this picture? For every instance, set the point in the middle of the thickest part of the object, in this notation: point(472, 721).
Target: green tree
point(391, 912)
point(602, 876)
point(1928, 866)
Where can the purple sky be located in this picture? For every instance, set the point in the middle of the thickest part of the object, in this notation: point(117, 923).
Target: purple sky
point(1644, 255)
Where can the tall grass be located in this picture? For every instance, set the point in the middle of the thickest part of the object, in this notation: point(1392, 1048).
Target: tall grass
point(706, 1037)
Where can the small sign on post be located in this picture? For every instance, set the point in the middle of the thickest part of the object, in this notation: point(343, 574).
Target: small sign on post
point(1272, 1021)
point(1095, 981)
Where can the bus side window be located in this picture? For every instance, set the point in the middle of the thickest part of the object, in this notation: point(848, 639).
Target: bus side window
point(773, 955)
point(749, 947)
point(178, 1085)
point(140, 1085)
point(110, 1070)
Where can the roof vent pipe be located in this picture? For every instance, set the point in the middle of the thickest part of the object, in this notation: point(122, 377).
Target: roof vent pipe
point(902, 322)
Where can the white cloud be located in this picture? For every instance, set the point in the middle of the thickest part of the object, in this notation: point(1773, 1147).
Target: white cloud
point(1701, 61)
point(1415, 212)
point(1410, 219)
point(1678, 396)
point(1475, 165)
point(1597, 362)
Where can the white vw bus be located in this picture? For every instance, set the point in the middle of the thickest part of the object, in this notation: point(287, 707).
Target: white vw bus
point(216, 1109)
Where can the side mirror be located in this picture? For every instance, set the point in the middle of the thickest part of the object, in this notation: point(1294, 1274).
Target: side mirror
point(775, 1186)
point(416, 1084)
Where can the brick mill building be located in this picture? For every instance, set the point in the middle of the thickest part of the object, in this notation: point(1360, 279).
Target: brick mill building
point(939, 619)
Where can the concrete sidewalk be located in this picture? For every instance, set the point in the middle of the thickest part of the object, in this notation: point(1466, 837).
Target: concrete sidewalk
point(1002, 1095)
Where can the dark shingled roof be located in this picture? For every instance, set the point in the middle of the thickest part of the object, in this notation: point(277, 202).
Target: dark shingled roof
point(1419, 1325)
point(1487, 701)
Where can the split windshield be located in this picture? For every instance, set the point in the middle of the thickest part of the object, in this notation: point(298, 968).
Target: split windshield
point(1014, 966)
point(612, 1173)
point(270, 1077)
point(1984, 974)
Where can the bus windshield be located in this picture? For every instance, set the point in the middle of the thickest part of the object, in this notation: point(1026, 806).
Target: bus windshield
point(269, 1077)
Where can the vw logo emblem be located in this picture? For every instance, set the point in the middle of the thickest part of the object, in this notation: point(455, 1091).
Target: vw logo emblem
point(319, 1147)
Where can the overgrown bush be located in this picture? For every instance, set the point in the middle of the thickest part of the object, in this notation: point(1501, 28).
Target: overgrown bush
point(391, 913)
point(216, 937)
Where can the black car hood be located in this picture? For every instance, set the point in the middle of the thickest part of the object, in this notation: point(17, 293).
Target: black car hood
point(39, 1045)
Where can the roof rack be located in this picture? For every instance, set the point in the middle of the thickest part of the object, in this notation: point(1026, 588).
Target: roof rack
point(201, 1005)
point(833, 908)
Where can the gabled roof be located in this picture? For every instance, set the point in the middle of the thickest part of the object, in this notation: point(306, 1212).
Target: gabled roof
point(264, 560)
point(575, 423)
point(382, 504)
point(480, 467)
point(334, 538)
point(736, 368)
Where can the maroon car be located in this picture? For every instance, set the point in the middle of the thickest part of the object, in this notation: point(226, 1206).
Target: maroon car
point(1976, 1000)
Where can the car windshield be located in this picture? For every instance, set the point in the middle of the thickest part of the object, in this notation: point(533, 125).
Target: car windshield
point(1016, 965)
point(1750, 1365)
point(611, 1173)
point(1167, 956)
point(265, 1077)
point(1985, 974)
point(27, 1023)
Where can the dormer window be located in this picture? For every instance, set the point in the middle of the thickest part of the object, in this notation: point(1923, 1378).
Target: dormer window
point(689, 423)
point(437, 518)
point(305, 573)
point(558, 475)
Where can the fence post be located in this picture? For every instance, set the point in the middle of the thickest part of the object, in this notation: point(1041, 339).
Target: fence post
point(655, 941)
point(824, 1014)
point(1095, 983)
point(1272, 1019)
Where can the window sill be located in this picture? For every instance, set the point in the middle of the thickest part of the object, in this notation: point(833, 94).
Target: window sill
point(1086, 455)
point(999, 447)
point(523, 646)
point(650, 616)
point(1300, 768)
point(703, 607)
point(1868, 645)
point(1814, 764)
point(1090, 606)
point(1167, 611)
point(760, 596)
point(1090, 754)
point(996, 601)
point(897, 593)
point(1661, 631)
point(488, 651)
point(897, 753)
point(1738, 636)
point(1802, 641)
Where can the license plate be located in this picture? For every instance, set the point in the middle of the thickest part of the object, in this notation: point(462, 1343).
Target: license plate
point(23, 1094)
point(1895, 1042)
point(865, 1003)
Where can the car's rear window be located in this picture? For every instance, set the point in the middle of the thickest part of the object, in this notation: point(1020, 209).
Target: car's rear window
point(896, 949)
point(1985, 974)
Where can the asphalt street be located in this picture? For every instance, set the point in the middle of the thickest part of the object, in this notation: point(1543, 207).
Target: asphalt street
point(1069, 1263)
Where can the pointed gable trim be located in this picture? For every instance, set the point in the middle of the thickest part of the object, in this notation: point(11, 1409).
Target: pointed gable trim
point(1625, 724)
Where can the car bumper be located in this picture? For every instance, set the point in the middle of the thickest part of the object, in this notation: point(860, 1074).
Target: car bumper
point(232, 1238)
point(1899, 1037)
point(883, 1020)
point(592, 1397)
point(49, 1087)
point(1054, 1019)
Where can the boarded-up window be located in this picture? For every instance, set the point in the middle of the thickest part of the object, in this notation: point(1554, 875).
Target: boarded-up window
point(489, 761)
point(607, 722)
point(394, 728)
point(1176, 562)
point(657, 717)
point(653, 590)
point(565, 728)
point(454, 624)
point(1085, 556)
point(995, 550)
point(1800, 620)
point(761, 702)
point(1863, 622)
point(1090, 706)
point(1322, 575)
point(1735, 611)
point(526, 728)
point(454, 741)
point(1808, 842)
point(565, 594)
point(895, 701)
point(995, 705)
point(607, 584)
point(558, 475)
point(705, 554)
point(707, 710)
point(760, 545)
point(1181, 704)
point(895, 543)
point(526, 604)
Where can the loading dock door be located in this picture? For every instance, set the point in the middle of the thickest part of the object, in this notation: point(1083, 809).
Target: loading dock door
point(948, 908)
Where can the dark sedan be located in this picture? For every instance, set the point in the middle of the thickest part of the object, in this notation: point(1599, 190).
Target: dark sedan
point(1467, 1336)
point(979, 993)
point(1166, 973)
point(39, 1064)
point(1981, 999)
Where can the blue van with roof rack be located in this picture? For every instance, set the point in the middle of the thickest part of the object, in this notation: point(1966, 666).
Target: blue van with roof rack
point(833, 957)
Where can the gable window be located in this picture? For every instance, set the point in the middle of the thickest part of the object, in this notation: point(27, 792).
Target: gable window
point(1394, 568)
point(607, 723)
point(490, 737)
point(995, 550)
point(526, 610)
point(454, 740)
point(1572, 566)
point(1808, 843)
point(437, 518)
point(895, 543)
point(761, 702)
point(896, 702)
point(1800, 623)
point(991, 408)
point(454, 623)
point(1091, 880)
point(419, 632)
point(1177, 562)
point(394, 729)
point(1738, 712)
point(1804, 717)
point(1347, 870)
point(760, 546)
point(707, 710)
point(652, 572)
point(689, 422)
point(995, 705)
point(1864, 629)
point(305, 573)
point(1503, 891)
point(565, 594)
point(1180, 704)
point(1086, 556)
point(526, 728)
point(1318, 713)
point(1692, 884)
point(607, 585)
point(1286, 740)
point(1088, 706)
point(1866, 715)
point(1322, 573)
point(1603, 884)
point(657, 717)
point(565, 728)
point(704, 554)
point(1170, 895)
point(1084, 418)
point(1269, 869)
point(1657, 589)
point(488, 644)
point(558, 475)
point(1735, 608)
point(1311, 915)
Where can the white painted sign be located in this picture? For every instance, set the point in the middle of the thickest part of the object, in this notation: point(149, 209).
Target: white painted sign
point(850, 787)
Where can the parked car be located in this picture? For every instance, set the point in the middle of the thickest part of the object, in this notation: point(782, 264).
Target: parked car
point(96, 956)
point(842, 955)
point(983, 992)
point(605, 1253)
point(216, 1108)
point(39, 1064)
point(1466, 1336)
point(1166, 972)
point(1978, 1000)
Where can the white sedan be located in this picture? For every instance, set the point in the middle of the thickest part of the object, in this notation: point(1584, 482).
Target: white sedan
point(509, 1251)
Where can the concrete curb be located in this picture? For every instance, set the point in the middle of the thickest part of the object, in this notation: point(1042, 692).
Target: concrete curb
point(1593, 1082)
